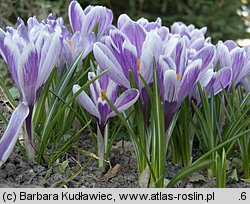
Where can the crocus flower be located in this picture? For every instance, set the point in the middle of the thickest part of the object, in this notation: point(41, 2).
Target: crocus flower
point(73, 44)
point(178, 74)
point(30, 61)
point(96, 104)
point(230, 55)
point(93, 19)
point(130, 48)
point(83, 24)
point(124, 18)
point(212, 81)
point(196, 37)
point(162, 31)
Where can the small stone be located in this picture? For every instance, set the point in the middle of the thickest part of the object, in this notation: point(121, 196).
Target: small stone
point(9, 167)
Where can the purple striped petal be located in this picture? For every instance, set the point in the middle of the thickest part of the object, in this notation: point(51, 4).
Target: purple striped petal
point(198, 44)
point(28, 73)
point(222, 78)
point(97, 15)
point(171, 86)
point(80, 44)
point(129, 59)
point(122, 20)
point(164, 63)
point(84, 100)
point(163, 32)
point(175, 28)
point(189, 79)
point(115, 40)
point(125, 100)
point(107, 60)
point(206, 77)
point(104, 81)
point(32, 22)
point(94, 88)
point(10, 53)
point(151, 50)
point(136, 34)
point(49, 56)
point(76, 16)
point(22, 30)
point(112, 91)
point(170, 45)
point(238, 56)
point(207, 55)
point(179, 55)
point(103, 109)
point(104, 21)
point(224, 55)
point(10, 136)
point(151, 26)
point(245, 73)
point(120, 46)
point(203, 30)
point(230, 44)
point(143, 21)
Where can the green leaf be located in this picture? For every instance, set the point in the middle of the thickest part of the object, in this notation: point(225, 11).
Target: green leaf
point(60, 112)
point(14, 93)
point(62, 167)
point(187, 171)
point(7, 94)
point(158, 151)
point(234, 175)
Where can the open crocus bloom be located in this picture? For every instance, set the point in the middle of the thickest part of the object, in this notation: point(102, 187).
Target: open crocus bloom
point(30, 61)
point(130, 48)
point(178, 74)
point(96, 104)
point(230, 55)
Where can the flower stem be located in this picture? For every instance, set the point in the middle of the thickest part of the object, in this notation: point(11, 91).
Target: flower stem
point(28, 135)
point(100, 146)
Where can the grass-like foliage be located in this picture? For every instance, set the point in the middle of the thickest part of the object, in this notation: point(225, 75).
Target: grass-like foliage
point(175, 94)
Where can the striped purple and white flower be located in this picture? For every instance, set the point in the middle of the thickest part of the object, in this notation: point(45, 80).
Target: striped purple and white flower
point(178, 73)
point(30, 57)
point(96, 104)
point(237, 58)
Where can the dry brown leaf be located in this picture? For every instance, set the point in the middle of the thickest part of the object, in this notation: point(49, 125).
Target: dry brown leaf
point(113, 172)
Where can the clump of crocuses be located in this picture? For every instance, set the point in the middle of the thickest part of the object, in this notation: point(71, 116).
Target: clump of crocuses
point(148, 66)
point(32, 51)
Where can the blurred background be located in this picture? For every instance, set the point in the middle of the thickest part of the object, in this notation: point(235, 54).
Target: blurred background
point(225, 19)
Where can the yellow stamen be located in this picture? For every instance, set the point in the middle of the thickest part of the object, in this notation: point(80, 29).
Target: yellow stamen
point(103, 93)
point(139, 65)
point(178, 76)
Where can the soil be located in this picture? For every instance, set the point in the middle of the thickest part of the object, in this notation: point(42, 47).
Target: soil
point(18, 172)
point(80, 171)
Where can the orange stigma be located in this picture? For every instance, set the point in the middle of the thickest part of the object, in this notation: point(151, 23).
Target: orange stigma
point(178, 76)
point(139, 65)
point(70, 43)
point(103, 93)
